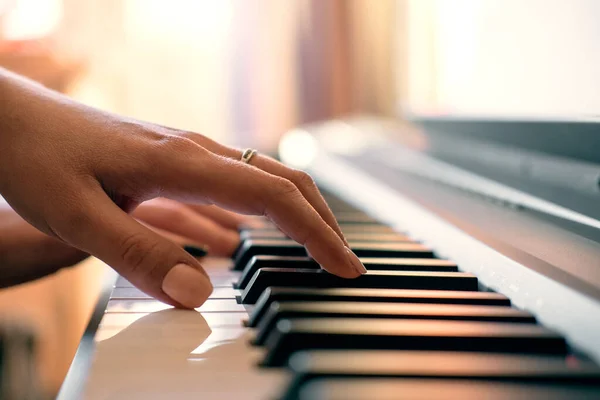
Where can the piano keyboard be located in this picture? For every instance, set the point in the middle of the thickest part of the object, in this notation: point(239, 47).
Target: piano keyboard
point(278, 327)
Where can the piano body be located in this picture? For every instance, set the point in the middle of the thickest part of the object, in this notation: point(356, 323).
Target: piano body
point(474, 287)
point(480, 231)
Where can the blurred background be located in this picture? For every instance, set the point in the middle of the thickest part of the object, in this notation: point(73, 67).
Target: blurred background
point(242, 72)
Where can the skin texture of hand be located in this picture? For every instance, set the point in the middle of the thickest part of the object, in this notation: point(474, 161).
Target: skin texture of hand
point(76, 173)
point(27, 254)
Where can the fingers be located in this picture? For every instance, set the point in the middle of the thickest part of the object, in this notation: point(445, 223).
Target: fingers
point(179, 240)
point(195, 249)
point(243, 188)
point(182, 221)
point(300, 179)
point(152, 263)
point(224, 218)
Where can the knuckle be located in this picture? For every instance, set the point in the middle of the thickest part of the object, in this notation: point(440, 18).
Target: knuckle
point(275, 190)
point(171, 153)
point(192, 136)
point(303, 179)
point(284, 187)
point(177, 144)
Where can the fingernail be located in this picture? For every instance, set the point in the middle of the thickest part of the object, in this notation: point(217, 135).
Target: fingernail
point(195, 250)
point(356, 264)
point(187, 286)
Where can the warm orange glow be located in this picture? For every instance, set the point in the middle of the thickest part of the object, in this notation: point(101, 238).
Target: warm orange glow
point(31, 19)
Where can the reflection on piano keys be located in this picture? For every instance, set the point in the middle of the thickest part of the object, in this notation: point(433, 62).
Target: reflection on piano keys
point(276, 326)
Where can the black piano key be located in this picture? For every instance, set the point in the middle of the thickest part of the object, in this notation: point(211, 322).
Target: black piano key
point(451, 312)
point(352, 236)
point(287, 247)
point(375, 264)
point(291, 335)
point(274, 247)
point(264, 261)
point(448, 364)
point(313, 365)
point(434, 389)
point(283, 294)
point(266, 277)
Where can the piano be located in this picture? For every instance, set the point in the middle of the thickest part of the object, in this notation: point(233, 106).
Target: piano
point(450, 307)
point(480, 232)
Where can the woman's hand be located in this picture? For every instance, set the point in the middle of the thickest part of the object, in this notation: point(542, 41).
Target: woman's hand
point(26, 253)
point(205, 227)
point(75, 173)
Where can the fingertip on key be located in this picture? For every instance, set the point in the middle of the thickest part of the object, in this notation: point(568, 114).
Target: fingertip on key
point(357, 265)
point(187, 286)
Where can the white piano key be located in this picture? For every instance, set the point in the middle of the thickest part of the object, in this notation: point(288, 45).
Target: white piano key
point(218, 269)
point(178, 354)
point(106, 333)
point(218, 337)
point(149, 306)
point(213, 319)
point(220, 280)
point(135, 293)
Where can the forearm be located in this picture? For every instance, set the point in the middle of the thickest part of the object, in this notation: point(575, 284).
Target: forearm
point(16, 94)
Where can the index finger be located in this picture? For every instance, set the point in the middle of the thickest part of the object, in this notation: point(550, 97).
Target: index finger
point(300, 179)
point(211, 178)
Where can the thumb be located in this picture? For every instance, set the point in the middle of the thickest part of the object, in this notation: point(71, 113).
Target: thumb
point(155, 265)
